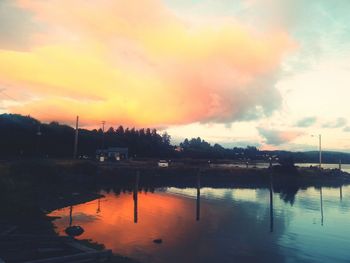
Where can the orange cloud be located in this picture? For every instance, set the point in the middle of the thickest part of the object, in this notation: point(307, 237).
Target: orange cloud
point(135, 62)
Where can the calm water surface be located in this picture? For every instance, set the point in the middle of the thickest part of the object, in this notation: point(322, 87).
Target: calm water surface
point(344, 167)
point(218, 225)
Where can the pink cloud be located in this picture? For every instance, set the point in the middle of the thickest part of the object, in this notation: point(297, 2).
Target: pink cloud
point(136, 62)
point(277, 137)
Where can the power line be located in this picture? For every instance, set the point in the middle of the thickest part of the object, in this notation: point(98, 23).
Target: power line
point(2, 91)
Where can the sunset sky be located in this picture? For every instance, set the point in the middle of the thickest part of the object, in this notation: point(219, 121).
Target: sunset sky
point(268, 73)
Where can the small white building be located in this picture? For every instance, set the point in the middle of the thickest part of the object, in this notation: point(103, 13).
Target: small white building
point(163, 163)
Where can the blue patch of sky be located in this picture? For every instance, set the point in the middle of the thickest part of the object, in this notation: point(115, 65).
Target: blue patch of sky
point(320, 27)
point(205, 7)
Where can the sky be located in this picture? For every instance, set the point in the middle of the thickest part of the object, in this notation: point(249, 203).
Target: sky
point(268, 73)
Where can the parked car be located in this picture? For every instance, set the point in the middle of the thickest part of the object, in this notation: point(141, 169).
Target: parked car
point(84, 157)
point(163, 163)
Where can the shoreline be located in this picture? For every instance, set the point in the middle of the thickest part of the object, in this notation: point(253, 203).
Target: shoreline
point(33, 188)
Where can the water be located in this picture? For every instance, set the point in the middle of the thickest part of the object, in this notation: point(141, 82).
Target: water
point(218, 225)
point(240, 165)
point(344, 167)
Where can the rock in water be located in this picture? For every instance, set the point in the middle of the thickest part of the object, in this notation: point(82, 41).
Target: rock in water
point(158, 241)
point(74, 231)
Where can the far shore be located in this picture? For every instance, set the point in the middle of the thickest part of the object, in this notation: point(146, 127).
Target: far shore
point(214, 173)
point(177, 165)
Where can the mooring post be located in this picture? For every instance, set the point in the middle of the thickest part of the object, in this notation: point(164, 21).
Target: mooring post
point(321, 200)
point(271, 204)
point(341, 193)
point(135, 195)
point(198, 201)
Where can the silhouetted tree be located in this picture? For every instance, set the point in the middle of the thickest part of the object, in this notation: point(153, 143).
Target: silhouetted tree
point(19, 138)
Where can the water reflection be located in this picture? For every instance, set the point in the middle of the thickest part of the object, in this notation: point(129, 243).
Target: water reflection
point(271, 205)
point(321, 200)
point(198, 202)
point(73, 230)
point(98, 210)
point(135, 196)
point(216, 225)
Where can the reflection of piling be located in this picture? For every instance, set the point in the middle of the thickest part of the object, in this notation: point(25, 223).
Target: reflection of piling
point(271, 205)
point(70, 215)
point(136, 190)
point(341, 192)
point(98, 206)
point(321, 199)
point(198, 203)
point(73, 231)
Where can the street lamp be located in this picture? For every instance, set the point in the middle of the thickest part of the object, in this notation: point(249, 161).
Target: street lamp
point(319, 149)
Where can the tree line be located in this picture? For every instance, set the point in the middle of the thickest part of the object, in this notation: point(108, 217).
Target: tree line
point(26, 137)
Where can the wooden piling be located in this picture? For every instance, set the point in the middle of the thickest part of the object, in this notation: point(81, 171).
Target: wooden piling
point(135, 196)
point(271, 205)
point(198, 196)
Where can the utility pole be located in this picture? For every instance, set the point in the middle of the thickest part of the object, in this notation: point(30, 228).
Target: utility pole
point(103, 134)
point(38, 133)
point(319, 150)
point(198, 200)
point(76, 138)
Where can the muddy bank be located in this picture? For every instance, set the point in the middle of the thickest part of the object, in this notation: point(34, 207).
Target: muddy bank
point(29, 190)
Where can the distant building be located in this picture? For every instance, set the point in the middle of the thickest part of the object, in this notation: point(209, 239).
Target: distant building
point(163, 163)
point(178, 149)
point(113, 154)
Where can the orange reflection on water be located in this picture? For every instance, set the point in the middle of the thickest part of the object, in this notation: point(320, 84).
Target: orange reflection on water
point(160, 215)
